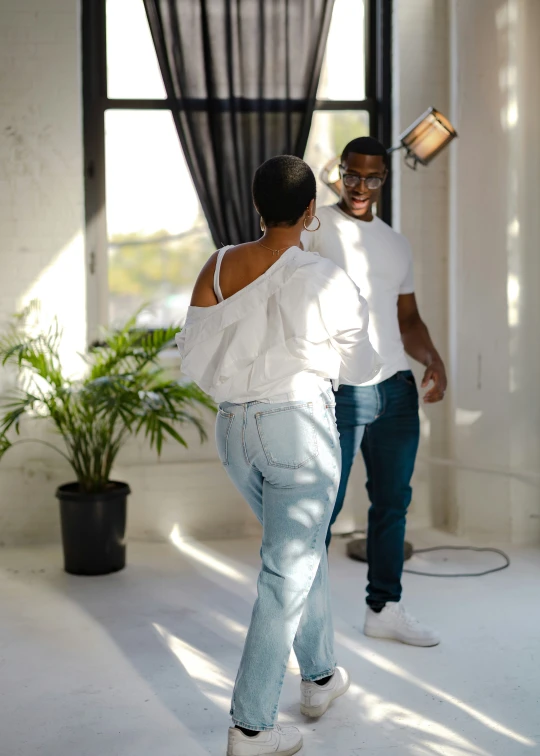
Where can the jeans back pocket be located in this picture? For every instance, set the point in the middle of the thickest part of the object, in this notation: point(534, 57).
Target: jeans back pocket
point(288, 435)
point(224, 421)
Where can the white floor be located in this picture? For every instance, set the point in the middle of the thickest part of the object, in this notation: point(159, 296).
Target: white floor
point(141, 663)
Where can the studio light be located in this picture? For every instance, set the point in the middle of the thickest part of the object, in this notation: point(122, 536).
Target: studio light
point(425, 138)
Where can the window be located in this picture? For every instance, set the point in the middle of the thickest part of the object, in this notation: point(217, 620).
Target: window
point(132, 67)
point(147, 237)
point(342, 83)
point(158, 238)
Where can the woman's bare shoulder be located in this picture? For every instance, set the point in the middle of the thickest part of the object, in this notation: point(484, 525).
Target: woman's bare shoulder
point(203, 291)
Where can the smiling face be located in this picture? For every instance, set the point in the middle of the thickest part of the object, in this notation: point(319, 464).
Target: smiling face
point(357, 198)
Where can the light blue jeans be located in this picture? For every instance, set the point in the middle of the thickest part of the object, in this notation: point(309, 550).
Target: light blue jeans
point(285, 460)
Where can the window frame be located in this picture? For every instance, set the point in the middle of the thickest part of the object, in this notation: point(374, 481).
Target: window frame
point(378, 105)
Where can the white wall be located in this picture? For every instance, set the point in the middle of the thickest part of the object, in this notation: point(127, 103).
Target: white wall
point(42, 255)
point(421, 77)
point(474, 225)
point(41, 213)
point(495, 268)
point(420, 212)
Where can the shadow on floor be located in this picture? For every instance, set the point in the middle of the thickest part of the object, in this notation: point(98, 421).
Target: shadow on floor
point(178, 617)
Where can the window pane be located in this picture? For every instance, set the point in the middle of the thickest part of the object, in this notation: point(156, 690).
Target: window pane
point(158, 237)
point(132, 67)
point(330, 132)
point(343, 75)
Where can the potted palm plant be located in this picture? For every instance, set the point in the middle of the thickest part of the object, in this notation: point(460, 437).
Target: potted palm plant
point(124, 392)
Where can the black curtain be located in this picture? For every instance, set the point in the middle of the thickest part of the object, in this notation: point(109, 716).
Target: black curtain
point(241, 77)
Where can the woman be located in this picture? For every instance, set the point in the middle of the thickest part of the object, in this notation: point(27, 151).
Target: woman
point(269, 327)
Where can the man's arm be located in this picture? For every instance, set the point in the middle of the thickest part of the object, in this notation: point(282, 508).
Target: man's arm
point(419, 346)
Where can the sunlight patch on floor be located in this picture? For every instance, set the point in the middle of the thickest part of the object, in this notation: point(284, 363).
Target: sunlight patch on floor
point(200, 667)
point(394, 669)
point(204, 556)
point(386, 712)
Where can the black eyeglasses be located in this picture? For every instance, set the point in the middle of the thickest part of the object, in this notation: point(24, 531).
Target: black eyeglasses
point(353, 179)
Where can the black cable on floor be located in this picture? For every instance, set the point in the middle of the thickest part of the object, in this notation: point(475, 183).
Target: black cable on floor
point(461, 574)
point(486, 549)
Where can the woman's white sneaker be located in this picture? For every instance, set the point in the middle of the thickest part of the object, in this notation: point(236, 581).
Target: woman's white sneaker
point(315, 699)
point(394, 623)
point(281, 741)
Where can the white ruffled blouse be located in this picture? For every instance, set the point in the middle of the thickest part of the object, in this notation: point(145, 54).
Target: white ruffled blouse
point(283, 336)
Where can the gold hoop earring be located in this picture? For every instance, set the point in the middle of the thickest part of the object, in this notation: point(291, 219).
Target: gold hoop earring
point(312, 230)
point(263, 226)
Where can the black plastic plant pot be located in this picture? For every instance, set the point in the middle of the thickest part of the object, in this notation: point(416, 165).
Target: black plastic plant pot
point(93, 528)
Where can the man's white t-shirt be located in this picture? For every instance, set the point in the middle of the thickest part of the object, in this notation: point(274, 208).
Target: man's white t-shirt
point(379, 261)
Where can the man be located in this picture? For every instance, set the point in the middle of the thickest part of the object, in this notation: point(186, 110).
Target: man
point(380, 418)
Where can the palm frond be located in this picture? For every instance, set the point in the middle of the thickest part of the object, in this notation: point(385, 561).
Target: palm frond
point(5, 444)
point(125, 392)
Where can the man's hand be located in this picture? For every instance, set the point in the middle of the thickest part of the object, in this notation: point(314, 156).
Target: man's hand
point(436, 374)
point(419, 346)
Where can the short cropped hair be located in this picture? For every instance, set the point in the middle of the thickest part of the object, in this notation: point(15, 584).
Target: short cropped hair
point(366, 146)
point(282, 189)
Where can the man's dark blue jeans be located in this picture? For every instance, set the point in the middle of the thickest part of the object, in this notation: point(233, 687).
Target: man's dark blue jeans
point(383, 421)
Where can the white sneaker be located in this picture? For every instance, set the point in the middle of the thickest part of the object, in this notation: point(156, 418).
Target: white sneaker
point(394, 623)
point(281, 741)
point(315, 699)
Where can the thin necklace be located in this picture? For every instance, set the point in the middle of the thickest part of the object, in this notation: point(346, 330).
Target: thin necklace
point(273, 251)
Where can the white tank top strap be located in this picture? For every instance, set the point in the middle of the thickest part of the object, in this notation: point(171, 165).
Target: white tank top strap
point(217, 288)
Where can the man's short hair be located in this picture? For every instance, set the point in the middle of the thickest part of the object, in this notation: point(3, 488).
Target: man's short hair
point(366, 146)
point(282, 189)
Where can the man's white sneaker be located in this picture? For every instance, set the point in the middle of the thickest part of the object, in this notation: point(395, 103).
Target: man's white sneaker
point(394, 623)
point(281, 741)
point(315, 699)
